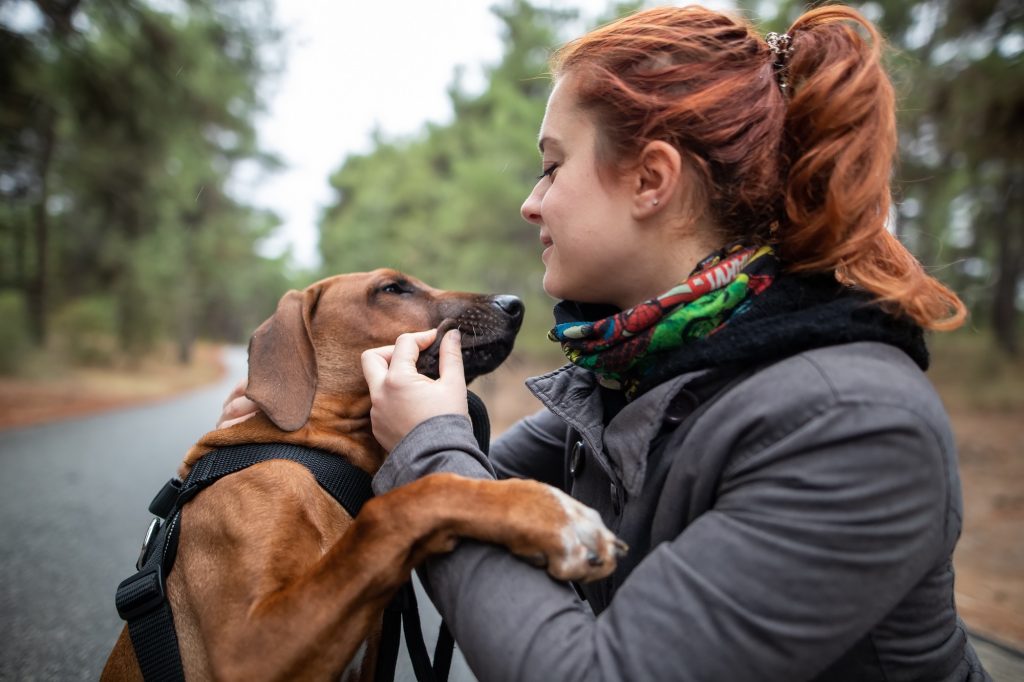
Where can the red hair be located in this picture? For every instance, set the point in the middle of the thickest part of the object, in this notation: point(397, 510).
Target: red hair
point(807, 172)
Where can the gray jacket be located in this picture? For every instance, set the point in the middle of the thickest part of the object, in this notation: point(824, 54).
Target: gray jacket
point(800, 528)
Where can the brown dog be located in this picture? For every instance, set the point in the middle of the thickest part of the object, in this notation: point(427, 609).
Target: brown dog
point(273, 579)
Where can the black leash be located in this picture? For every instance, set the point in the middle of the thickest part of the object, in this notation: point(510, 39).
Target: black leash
point(402, 617)
point(402, 614)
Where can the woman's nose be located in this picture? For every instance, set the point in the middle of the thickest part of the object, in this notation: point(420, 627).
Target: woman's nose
point(530, 209)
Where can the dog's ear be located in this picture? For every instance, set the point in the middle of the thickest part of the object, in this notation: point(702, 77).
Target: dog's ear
point(282, 361)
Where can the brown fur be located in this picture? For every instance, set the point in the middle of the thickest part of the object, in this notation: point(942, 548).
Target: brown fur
point(273, 579)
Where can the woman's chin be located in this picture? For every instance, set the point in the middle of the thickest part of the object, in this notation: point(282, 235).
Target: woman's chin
point(561, 290)
point(553, 288)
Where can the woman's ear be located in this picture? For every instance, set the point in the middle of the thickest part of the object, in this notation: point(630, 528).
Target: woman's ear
point(657, 176)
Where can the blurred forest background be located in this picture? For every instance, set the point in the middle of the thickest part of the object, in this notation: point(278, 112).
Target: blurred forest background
point(123, 122)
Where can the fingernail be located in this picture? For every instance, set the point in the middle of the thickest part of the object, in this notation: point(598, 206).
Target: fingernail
point(456, 336)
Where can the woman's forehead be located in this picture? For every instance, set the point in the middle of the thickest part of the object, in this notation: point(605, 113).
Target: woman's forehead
point(563, 119)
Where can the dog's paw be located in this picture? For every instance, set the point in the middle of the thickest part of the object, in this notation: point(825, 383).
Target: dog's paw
point(589, 550)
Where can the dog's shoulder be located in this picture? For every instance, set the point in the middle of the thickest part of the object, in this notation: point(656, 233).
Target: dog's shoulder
point(270, 518)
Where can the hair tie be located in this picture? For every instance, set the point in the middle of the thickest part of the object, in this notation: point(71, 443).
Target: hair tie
point(781, 45)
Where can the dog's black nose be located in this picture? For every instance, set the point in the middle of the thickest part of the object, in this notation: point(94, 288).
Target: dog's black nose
point(511, 305)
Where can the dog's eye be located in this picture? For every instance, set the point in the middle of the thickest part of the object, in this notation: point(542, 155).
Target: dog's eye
point(394, 288)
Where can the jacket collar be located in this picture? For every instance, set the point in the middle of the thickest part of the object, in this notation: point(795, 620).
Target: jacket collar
point(622, 448)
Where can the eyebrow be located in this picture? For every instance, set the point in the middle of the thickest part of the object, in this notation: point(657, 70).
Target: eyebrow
point(544, 140)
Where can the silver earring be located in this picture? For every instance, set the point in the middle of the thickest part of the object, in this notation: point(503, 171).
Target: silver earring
point(655, 202)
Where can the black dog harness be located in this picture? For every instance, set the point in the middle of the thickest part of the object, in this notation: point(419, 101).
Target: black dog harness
point(142, 599)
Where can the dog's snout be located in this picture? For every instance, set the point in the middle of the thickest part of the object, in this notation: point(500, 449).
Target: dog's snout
point(510, 305)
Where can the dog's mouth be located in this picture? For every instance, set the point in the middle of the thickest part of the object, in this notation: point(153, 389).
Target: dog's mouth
point(486, 342)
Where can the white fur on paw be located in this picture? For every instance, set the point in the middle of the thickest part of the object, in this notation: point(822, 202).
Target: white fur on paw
point(590, 550)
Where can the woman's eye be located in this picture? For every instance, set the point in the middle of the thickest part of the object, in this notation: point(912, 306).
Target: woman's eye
point(549, 172)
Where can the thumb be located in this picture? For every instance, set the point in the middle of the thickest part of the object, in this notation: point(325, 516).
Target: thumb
point(450, 366)
point(407, 349)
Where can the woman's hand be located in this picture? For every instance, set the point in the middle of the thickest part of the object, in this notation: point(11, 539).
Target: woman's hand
point(402, 397)
point(237, 408)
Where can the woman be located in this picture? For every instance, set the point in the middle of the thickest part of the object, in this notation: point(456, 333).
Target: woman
point(744, 404)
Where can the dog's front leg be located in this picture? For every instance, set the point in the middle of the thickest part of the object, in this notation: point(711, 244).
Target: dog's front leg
point(310, 625)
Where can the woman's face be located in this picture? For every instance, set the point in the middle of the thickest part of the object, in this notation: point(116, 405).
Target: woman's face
point(591, 252)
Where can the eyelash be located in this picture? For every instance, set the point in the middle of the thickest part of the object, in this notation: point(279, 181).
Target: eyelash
point(548, 172)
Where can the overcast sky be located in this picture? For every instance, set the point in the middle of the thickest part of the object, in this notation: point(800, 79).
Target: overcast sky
point(352, 66)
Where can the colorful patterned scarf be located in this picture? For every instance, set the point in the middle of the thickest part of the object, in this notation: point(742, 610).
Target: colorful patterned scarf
point(623, 347)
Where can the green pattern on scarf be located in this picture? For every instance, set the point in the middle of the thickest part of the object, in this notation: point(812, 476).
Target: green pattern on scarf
point(622, 348)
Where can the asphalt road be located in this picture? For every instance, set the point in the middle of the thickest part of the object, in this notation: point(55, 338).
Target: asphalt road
point(72, 516)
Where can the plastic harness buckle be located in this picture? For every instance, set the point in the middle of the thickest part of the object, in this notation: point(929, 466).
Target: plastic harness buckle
point(164, 501)
point(141, 593)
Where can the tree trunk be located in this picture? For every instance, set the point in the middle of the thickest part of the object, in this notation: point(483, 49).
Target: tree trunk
point(36, 286)
point(186, 316)
point(20, 227)
point(1010, 262)
point(60, 15)
point(191, 223)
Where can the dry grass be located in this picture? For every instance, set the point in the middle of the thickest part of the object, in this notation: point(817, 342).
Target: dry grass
point(984, 393)
point(971, 375)
point(50, 391)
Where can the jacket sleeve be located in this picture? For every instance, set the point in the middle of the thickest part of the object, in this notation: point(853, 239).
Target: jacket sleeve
point(814, 537)
point(534, 448)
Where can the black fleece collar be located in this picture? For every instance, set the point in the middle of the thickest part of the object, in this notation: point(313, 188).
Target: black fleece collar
point(795, 314)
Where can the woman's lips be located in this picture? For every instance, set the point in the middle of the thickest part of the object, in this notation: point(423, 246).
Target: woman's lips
point(547, 243)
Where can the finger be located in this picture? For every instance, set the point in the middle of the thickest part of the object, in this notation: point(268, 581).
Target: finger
point(450, 359)
point(237, 420)
point(237, 391)
point(425, 338)
point(375, 366)
point(408, 347)
point(238, 407)
point(383, 351)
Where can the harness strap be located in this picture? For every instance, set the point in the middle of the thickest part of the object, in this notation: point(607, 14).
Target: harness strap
point(142, 599)
point(346, 483)
point(151, 625)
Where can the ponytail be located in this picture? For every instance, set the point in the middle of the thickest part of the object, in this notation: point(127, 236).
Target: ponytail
point(840, 140)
